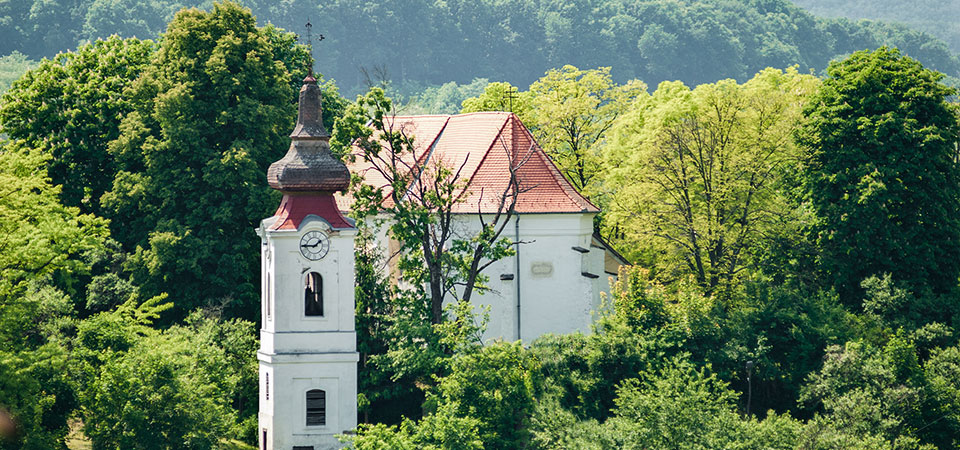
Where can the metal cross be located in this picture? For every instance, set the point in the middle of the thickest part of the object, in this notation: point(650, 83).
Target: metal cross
point(509, 96)
point(310, 42)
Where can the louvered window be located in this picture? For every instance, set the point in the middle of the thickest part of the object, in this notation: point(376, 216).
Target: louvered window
point(316, 407)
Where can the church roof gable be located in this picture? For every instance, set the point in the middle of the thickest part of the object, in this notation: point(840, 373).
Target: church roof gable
point(482, 147)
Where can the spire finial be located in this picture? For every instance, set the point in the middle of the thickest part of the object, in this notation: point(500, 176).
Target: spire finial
point(309, 27)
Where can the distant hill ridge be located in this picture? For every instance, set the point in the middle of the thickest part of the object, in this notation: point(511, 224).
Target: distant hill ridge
point(429, 42)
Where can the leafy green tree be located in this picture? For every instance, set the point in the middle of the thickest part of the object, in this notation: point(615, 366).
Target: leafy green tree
point(484, 402)
point(867, 390)
point(680, 407)
point(571, 112)
point(41, 236)
point(213, 113)
point(498, 386)
point(190, 386)
point(43, 248)
point(785, 329)
point(698, 174)
point(384, 396)
point(881, 173)
point(71, 108)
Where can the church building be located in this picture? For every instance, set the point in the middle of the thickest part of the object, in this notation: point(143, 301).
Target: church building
point(308, 357)
point(553, 283)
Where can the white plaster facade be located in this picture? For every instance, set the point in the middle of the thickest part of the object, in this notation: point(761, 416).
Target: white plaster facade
point(299, 353)
point(553, 284)
point(557, 278)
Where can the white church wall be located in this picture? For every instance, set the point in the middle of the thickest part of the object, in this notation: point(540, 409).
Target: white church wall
point(554, 294)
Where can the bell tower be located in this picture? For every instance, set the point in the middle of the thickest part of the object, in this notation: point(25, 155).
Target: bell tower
point(308, 358)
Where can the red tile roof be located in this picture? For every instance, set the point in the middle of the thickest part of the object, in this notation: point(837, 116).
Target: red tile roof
point(483, 144)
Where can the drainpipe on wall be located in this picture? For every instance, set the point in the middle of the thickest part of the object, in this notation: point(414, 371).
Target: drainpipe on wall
point(517, 243)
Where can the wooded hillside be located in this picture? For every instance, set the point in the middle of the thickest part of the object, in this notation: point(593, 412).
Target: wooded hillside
point(427, 43)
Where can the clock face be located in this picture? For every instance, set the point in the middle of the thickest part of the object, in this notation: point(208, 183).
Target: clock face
point(314, 245)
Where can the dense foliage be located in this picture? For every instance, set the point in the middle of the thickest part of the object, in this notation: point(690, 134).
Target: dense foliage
point(881, 168)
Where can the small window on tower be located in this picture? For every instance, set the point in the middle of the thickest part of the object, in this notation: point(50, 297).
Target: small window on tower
point(313, 295)
point(267, 380)
point(316, 407)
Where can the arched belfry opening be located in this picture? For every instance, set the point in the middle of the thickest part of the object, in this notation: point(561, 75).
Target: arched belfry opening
point(313, 295)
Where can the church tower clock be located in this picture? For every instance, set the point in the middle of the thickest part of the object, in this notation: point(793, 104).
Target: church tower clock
point(308, 358)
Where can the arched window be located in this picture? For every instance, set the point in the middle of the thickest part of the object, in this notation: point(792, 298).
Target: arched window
point(313, 295)
point(316, 407)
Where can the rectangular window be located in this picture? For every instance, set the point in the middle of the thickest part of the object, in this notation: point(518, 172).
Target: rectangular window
point(267, 379)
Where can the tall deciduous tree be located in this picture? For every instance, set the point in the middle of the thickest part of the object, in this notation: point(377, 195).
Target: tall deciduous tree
point(882, 175)
point(215, 108)
point(696, 173)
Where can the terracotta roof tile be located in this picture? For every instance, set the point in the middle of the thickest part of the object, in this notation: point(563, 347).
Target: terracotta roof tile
point(484, 144)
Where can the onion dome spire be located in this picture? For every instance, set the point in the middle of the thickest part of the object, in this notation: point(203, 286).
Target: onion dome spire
point(309, 166)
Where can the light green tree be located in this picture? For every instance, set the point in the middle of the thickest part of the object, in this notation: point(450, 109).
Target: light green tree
point(695, 177)
point(43, 248)
point(571, 111)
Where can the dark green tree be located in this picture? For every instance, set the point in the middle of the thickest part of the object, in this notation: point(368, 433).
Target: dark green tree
point(213, 111)
point(881, 173)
